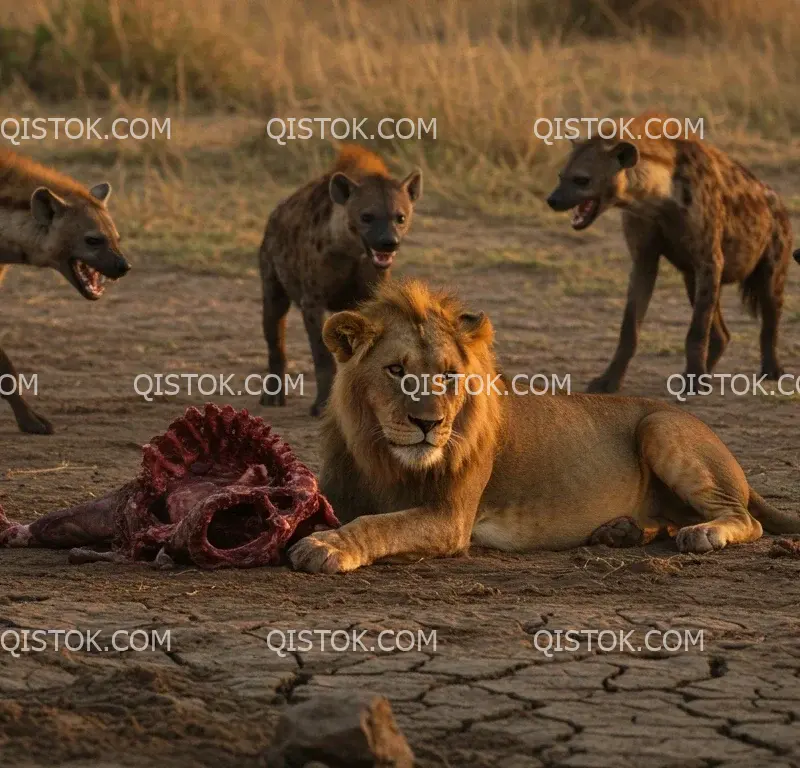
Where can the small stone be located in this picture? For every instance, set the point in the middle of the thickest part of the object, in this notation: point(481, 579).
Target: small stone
point(340, 730)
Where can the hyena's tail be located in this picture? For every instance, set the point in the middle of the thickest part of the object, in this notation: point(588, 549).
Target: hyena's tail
point(797, 255)
point(773, 520)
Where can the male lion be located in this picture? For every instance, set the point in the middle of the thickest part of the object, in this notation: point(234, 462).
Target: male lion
point(423, 475)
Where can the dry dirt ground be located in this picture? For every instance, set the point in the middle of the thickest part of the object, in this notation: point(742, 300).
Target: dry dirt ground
point(487, 696)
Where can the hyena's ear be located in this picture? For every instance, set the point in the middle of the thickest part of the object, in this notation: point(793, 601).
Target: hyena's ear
point(45, 205)
point(101, 191)
point(626, 153)
point(346, 332)
point(476, 327)
point(413, 185)
point(341, 188)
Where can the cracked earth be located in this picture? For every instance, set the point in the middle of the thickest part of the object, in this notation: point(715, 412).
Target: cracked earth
point(486, 696)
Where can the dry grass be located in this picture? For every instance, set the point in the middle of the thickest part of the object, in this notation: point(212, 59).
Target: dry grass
point(484, 70)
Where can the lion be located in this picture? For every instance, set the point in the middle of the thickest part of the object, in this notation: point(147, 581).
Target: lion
point(423, 471)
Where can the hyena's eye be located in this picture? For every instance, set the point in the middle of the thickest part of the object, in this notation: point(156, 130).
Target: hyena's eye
point(581, 181)
point(367, 218)
point(95, 241)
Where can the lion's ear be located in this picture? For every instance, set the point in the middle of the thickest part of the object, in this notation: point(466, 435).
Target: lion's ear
point(346, 332)
point(476, 326)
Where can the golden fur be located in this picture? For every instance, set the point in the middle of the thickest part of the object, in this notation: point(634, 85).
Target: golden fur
point(20, 176)
point(357, 162)
point(436, 318)
point(503, 470)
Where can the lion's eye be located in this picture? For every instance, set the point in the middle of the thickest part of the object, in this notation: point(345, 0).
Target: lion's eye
point(451, 377)
point(367, 218)
point(400, 218)
point(396, 369)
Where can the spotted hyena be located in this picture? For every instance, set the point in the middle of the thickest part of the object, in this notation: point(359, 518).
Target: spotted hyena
point(49, 220)
point(707, 214)
point(326, 247)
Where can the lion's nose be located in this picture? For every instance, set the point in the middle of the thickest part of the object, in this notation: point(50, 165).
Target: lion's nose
point(426, 425)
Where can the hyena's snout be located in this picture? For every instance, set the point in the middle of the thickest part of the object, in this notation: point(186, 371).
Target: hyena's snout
point(559, 201)
point(115, 266)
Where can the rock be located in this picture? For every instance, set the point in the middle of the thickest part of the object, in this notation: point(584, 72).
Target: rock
point(340, 730)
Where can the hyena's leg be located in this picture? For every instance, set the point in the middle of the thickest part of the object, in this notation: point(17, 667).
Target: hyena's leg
point(276, 310)
point(28, 420)
point(768, 281)
point(720, 335)
point(645, 249)
point(708, 260)
point(699, 469)
point(324, 364)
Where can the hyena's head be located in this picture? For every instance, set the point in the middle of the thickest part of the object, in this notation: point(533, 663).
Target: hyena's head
point(378, 210)
point(593, 179)
point(79, 239)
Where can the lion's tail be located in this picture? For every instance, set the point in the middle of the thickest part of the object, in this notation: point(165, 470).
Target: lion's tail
point(774, 520)
point(797, 255)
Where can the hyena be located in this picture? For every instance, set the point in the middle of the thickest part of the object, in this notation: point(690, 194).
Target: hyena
point(325, 247)
point(50, 220)
point(707, 214)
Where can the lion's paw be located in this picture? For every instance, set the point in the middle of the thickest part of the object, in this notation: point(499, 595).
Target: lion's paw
point(322, 552)
point(701, 538)
point(619, 532)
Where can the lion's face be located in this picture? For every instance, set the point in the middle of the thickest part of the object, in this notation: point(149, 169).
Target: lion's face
point(400, 383)
point(414, 393)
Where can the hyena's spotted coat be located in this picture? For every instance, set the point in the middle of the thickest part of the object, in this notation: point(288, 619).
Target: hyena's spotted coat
point(702, 210)
point(325, 248)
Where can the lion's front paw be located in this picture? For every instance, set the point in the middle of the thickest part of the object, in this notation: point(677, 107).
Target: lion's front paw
point(322, 552)
point(701, 538)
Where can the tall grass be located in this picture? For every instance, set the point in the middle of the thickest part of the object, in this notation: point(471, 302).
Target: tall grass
point(485, 69)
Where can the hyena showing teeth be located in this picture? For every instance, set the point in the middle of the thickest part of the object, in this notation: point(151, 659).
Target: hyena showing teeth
point(49, 220)
point(326, 247)
point(706, 214)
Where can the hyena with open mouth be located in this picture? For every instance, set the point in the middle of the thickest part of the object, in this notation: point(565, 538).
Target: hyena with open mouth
point(50, 220)
point(706, 214)
point(326, 247)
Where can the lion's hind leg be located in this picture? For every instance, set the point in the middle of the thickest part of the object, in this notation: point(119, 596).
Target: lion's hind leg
point(697, 467)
